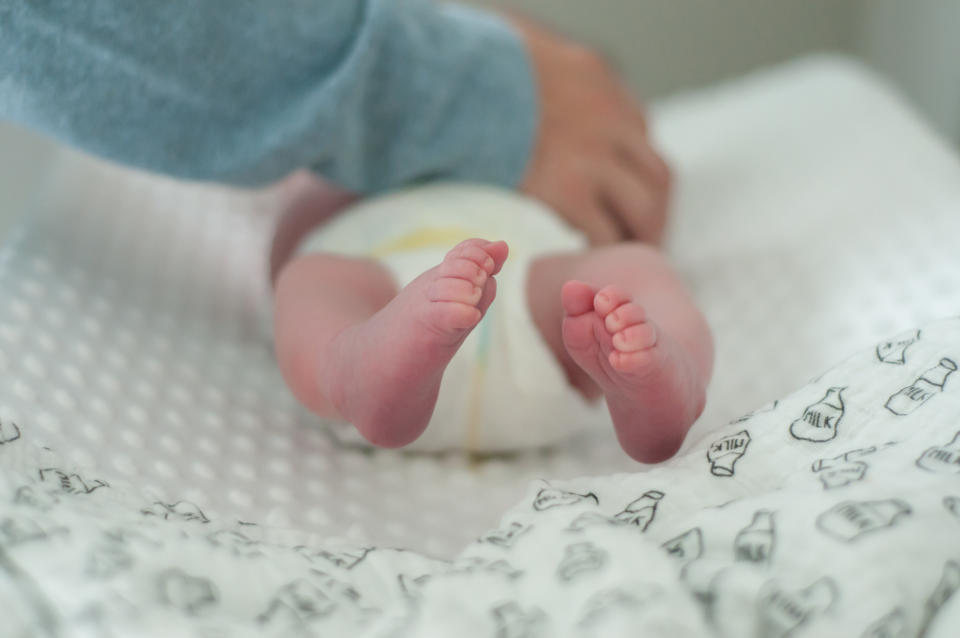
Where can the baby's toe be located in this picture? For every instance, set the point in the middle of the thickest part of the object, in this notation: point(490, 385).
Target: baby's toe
point(473, 250)
point(626, 315)
point(453, 289)
point(498, 250)
point(576, 298)
point(639, 336)
point(608, 299)
point(454, 318)
point(465, 269)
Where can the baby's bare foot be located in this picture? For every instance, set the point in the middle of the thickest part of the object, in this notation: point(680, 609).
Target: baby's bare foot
point(652, 390)
point(383, 375)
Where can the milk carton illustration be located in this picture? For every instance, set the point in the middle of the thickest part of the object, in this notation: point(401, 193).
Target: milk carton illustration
point(9, 432)
point(945, 590)
point(842, 474)
point(580, 558)
point(190, 594)
point(182, 510)
point(70, 483)
point(780, 612)
point(346, 559)
point(687, 546)
point(942, 458)
point(641, 511)
point(819, 421)
point(296, 604)
point(552, 497)
point(515, 622)
point(589, 519)
point(889, 626)
point(770, 407)
point(850, 520)
point(754, 543)
point(952, 503)
point(919, 392)
point(412, 586)
point(505, 537)
point(724, 453)
point(894, 351)
point(844, 469)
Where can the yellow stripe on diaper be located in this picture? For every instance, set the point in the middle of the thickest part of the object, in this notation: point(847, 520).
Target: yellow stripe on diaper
point(479, 381)
point(440, 237)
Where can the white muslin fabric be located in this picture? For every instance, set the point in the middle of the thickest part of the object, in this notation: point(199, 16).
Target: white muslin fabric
point(833, 511)
point(504, 389)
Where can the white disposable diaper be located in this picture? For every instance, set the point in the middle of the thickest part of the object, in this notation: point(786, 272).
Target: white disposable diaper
point(504, 389)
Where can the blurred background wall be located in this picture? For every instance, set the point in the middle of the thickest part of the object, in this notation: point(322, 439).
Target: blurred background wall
point(663, 46)
point(917, 43)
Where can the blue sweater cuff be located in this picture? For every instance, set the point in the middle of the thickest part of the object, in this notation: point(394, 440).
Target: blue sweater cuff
point(451, 96)
point(373, 94)
point(500, 113)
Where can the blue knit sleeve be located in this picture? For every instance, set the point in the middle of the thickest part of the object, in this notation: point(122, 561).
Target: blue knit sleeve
point(369, 93)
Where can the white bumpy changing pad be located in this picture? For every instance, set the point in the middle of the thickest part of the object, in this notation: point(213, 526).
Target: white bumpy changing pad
point(814, 216)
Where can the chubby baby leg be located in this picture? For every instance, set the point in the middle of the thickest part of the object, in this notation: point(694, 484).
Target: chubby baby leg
point(351, 346)
point(622, 324)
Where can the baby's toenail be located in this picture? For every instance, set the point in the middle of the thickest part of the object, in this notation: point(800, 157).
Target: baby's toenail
point(603, 299)
point(488, 263)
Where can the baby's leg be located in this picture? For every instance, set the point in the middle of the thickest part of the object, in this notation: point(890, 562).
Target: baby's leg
point(621, 321)
point(351, 346)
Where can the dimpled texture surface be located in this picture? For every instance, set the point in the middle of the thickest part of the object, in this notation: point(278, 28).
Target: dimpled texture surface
point(814, 215)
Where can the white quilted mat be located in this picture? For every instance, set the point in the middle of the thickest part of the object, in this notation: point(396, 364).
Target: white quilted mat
point(814, 216)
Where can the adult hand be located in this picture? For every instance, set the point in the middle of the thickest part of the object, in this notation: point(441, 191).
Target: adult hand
point(592, 161)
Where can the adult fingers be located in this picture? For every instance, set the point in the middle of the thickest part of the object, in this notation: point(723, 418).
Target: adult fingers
point(595, 221)
point(636, 149)
point(635, 112)
point(637, 206)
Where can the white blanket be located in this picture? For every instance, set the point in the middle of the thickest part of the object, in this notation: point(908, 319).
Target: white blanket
point(834, 511)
